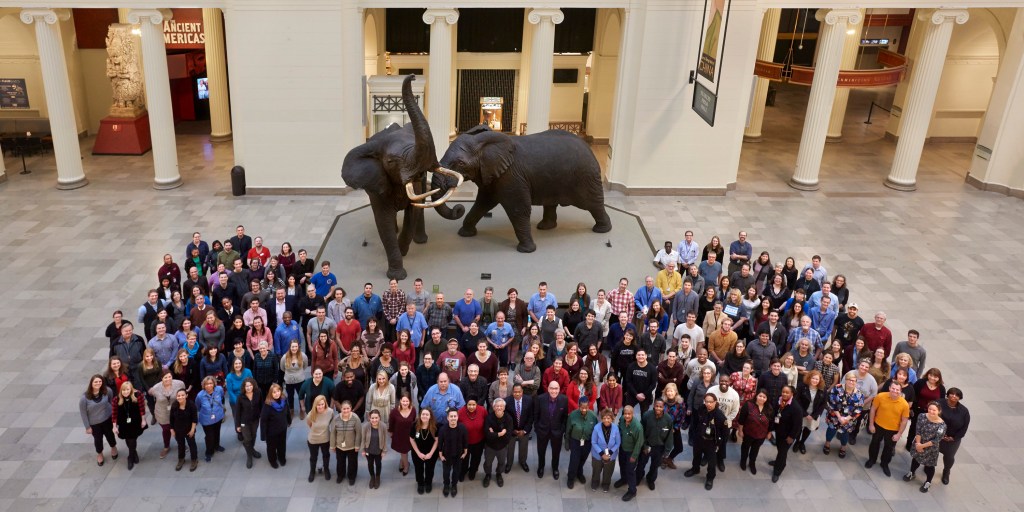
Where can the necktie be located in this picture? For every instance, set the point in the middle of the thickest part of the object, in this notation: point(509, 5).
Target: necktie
point(519, 411)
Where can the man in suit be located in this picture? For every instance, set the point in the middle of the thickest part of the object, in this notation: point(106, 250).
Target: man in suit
point(551, 411)
point(521, 409)
point(277, 306)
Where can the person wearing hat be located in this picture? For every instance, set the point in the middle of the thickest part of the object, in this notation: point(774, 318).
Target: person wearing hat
point(578, 431)
point(848, 325)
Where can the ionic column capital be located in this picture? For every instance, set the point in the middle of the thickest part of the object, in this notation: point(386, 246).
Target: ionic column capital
point(556, 16)
point(833, 16)
point(449, 16)
point(48, 16)
point(940, 16)
point(154, 16)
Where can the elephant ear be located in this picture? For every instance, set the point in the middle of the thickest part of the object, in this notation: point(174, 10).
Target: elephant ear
point(362, 170)
point(496, 154)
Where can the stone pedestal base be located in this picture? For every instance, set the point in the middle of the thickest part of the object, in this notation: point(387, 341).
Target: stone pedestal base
point(123, 136)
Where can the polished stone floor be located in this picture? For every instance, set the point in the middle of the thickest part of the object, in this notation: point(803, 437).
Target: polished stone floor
point(941, 260)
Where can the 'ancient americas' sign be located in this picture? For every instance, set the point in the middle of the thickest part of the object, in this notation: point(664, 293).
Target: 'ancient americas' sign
point(185, 30)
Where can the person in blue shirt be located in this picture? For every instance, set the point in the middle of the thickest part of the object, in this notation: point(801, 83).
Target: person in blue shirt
point(826, 291)
point(710, 270)
point(645, 295)
point(286, 332)
point(414, 322)
point(823, 318)
point(540, 301)
point(465, 312)
point(443, 396)
point(740, 252)
point(197, 243)
point(324, 281)
point(210, 404)
point(500, 335)
point(367, 305)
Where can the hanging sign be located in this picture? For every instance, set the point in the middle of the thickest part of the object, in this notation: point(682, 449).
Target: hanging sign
point(712, 42)
point(13, 93)
point(185, 30)
point(704, 103)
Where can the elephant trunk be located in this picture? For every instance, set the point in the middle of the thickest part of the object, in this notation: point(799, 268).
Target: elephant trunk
point(442, 184)
point(424, 154)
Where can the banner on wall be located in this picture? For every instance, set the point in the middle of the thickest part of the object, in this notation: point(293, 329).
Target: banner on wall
point(713, 31)
point(13, 93)
point(185, 30)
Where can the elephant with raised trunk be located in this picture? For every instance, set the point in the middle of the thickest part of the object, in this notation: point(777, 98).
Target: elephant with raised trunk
point(392, 168)
point(550, 169)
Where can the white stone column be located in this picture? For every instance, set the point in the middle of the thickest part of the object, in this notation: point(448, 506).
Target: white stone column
point(765, 51)
point(823, 91)
point(541, 68)
point(3, 167)
point(439, 75)
point(851, 46)
point(68, 154)
point(158, 96)
point(624, 113)
point(924, 82)
point(217, 72)
point(353, 112)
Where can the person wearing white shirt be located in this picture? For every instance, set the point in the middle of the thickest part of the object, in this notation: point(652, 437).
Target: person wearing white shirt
point(690, 328)
point(729, 403)
point(666, 256)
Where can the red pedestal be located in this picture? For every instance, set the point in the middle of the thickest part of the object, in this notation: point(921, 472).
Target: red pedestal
point(123, 136)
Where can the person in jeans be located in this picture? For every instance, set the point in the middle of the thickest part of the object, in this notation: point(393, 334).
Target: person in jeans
point(319, 437)
point(375, 436)
point(183, 427)
point(453, 445)
point(346, 435)
point(889, 416)
point(578, 431)
point(497, 434)
point(604, 446)
point(424, 446)
point(629, 451)
point(210, 404)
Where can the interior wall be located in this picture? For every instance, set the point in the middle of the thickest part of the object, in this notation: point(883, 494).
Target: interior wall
point(603, 73)
point(567, 99)
point(19, 58)
point(98, 94)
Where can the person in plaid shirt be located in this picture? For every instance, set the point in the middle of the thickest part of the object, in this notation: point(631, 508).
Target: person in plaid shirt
point(621, 300)
point(393, 302)
point(438, 314)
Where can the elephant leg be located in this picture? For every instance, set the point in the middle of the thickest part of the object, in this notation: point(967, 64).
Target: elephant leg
point(386, 218)
point(602, 224)
point(484, 203)
point(518, 212)
point(550, 219)
point(420, 235)
point(408, 227)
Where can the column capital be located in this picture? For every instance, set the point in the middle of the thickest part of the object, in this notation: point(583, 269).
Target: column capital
point(154, 16)
point(833, 16)
point(536, 15)
point(449, 16)
point(48, 16)
point(940, 16)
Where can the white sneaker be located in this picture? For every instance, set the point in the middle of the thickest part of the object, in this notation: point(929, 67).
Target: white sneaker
point(926, 486)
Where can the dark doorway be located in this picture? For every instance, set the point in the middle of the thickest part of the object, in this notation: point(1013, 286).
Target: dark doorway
point(480, 83)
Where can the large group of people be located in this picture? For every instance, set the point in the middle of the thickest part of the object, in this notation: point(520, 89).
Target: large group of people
point(701, 355)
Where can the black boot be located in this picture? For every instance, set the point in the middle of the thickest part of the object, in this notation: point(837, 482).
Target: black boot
point(312, 471)
point(327, 472)
point(248, 460)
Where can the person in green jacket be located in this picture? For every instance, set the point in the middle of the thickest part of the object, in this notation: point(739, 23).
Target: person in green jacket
point(579, 429)
point(657, 441)
point(632, 443)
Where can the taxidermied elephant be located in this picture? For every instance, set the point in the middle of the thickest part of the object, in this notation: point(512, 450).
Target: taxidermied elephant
point(550, 169)
point(392, 167)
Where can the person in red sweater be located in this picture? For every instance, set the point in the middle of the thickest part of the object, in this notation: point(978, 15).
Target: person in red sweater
point(877, 334)
point(610, 396)
point(556, 373)
point(472, 417)
point(581, 386)
point(348, 331)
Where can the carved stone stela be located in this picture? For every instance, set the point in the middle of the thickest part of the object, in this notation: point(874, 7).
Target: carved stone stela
point(123, 71)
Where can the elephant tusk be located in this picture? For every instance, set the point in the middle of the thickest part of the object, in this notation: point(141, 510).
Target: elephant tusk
point(443, 199)
point(439, 202)
point(416, 197)
point(449, 172)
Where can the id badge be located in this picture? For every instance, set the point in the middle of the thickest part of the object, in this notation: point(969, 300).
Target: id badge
point(129, 421)
point(707, 431)
point(581, 442)
point(777, 417)
point(213, 417)
point(343, 444)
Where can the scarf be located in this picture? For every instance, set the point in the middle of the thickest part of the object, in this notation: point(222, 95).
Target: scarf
point(191, 351)
point(279, 405)
point(211, 328)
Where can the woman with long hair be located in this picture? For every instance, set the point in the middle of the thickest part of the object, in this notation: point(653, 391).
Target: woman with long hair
point(725, 287)
point(657, 312)
point(581, 386)
point(212, 332)
point(762, 268)
point(274, 425)
point(776, 291)
point(736, 359)
point(185, 370)
point(610, 396)
point(811, 395)
point(791, 273)
point(293, 364)
point(116, 373)
point(164, 393)
point(602, 312)
point(573, 316)
point(184, 418)
point(175, 311)
point(324, 355)
point(96, 411)
point(758, 316)
point(752, 427)
point(789, 369)
point(403, 350)
point(371, 339)
point(356, 363)
point(128, 414)
point(319, 437)
point(853, 355)
point(404, 381)
point(929, 431)
point(675, 408)
point(423, 441)
point(400, 424)
point(581, 297)
point(286, 258)
point(840, 290)
point(791, 320)
point(374, 447)
point(346, 439)
point(150, 372)
point(237, 330)
point(257, 334)
point(214, 364)
point(706, 303)
point(715, 246)
point(929, 388)
point(879, 368)
point(381, 397)
point(246, 411)
point(210, 404)
point(234, 380)
point(845, 405)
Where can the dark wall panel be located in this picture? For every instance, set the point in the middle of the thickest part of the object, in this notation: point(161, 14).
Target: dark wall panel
point(576, 33)
point(406, 32)
point(477, 83)
point(490, 30)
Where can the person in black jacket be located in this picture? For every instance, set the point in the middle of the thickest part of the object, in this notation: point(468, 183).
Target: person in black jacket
point(497, 434)
point(453, 445)
point(474, 386)
point(772, 381)
point(957, 419)
point(551, 410)
point(184, 418)
point(274, 425)
point(247, 411)
point(812, 395)
point(639, 382)
point(711, 430)
point(520, 409)
point(788, 419)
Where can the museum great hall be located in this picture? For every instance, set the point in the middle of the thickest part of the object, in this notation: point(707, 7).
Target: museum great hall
point(290, 86)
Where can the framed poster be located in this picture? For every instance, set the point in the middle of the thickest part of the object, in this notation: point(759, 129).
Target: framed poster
point(705, 103)
point(13, 93)
point(712, 41)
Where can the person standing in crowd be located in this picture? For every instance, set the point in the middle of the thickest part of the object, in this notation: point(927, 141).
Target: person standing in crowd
point(319, 437)
point(877, 335)
point(929, 433)
point(957, 419)
point(632, 435)
point(183, 420)
point(869, 389)
point(912, 347)
point(890, 414)
point(605, 441)
point(551, 410)
point(424, 444)
point(710, 430)
point(811, 395)
point(675, 408)
point(128, 415)
point(522, 414)
point(729, 403)
point(210, 405)
point(640, 379)
point(753, 426)
point(497, 434)
point(658, 439)
point(316, 385)
point(845, 406)
point(453, 446)
point(374, 446)
point(246, 411)
point(274, 425)
point(472, 417)
point(129, 348)
point(400, 424)
point(346, 438)
point(94, 407)
point(164, 393)
point(293, 365)
point(393, 304)
point(578, 432)
point(788, 419)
